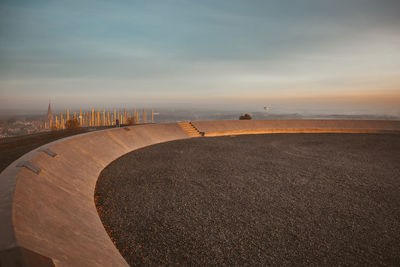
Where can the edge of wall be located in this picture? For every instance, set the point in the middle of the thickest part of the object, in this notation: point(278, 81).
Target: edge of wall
point(237, 127)
point(50, 218)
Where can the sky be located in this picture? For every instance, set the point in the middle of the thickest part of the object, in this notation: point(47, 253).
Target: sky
point(307, 54)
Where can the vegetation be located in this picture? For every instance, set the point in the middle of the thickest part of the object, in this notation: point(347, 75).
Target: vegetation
point(245, 117)
point(72, 124)
point(130, 121)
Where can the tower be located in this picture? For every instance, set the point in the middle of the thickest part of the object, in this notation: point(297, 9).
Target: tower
point(49, 118)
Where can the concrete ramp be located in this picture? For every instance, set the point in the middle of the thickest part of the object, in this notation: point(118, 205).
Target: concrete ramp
point(219, 128)
point(47, 211)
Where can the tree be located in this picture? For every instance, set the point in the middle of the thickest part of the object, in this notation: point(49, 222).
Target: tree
point(245, 117)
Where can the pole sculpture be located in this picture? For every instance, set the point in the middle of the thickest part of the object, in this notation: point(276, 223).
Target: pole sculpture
point(61, 121)
point(144, 116)
point(92, 120)
point(104, 118)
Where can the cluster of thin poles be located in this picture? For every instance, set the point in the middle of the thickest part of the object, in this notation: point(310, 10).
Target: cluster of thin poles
point(93, 118)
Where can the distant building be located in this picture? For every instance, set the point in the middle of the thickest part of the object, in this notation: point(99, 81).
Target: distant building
point(49, 118)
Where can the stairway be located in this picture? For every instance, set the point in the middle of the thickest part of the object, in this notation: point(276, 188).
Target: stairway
point(189, 129)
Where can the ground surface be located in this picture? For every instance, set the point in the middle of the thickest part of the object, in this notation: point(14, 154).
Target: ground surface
point(283, 199)
point(11, 148)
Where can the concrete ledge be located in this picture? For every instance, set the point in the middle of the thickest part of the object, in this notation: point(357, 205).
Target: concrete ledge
point(50, 216)
point(19, 256)
point(219, 128)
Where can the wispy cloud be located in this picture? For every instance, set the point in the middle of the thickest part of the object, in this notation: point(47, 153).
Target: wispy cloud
point(199, 49)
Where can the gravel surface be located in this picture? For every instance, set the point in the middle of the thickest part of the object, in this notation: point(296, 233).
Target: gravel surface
point(256, 200)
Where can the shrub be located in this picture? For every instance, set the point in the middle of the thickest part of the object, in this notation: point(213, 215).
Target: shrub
point(130, 121)
point(245, 117)
point(72, 124)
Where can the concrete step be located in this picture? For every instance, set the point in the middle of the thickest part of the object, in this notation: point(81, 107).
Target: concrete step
point(189, 129)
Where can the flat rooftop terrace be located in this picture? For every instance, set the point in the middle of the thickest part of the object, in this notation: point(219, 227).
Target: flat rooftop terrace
point(48, 215)
point(257, 200)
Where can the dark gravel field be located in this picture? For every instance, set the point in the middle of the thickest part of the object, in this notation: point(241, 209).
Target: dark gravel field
point(256, 200)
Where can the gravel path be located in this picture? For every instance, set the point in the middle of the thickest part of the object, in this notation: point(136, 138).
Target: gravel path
point(256, 200)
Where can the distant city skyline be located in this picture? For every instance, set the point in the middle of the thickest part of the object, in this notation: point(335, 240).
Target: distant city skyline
point(335, 56)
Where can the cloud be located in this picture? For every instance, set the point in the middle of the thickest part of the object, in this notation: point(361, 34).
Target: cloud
point(194, 49)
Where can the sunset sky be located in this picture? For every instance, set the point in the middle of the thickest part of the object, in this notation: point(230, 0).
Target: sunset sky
point(312, 53)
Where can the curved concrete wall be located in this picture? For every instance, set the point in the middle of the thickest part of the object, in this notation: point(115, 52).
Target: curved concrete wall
point(50, 218)
point(217, 128)
point(53, 213)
